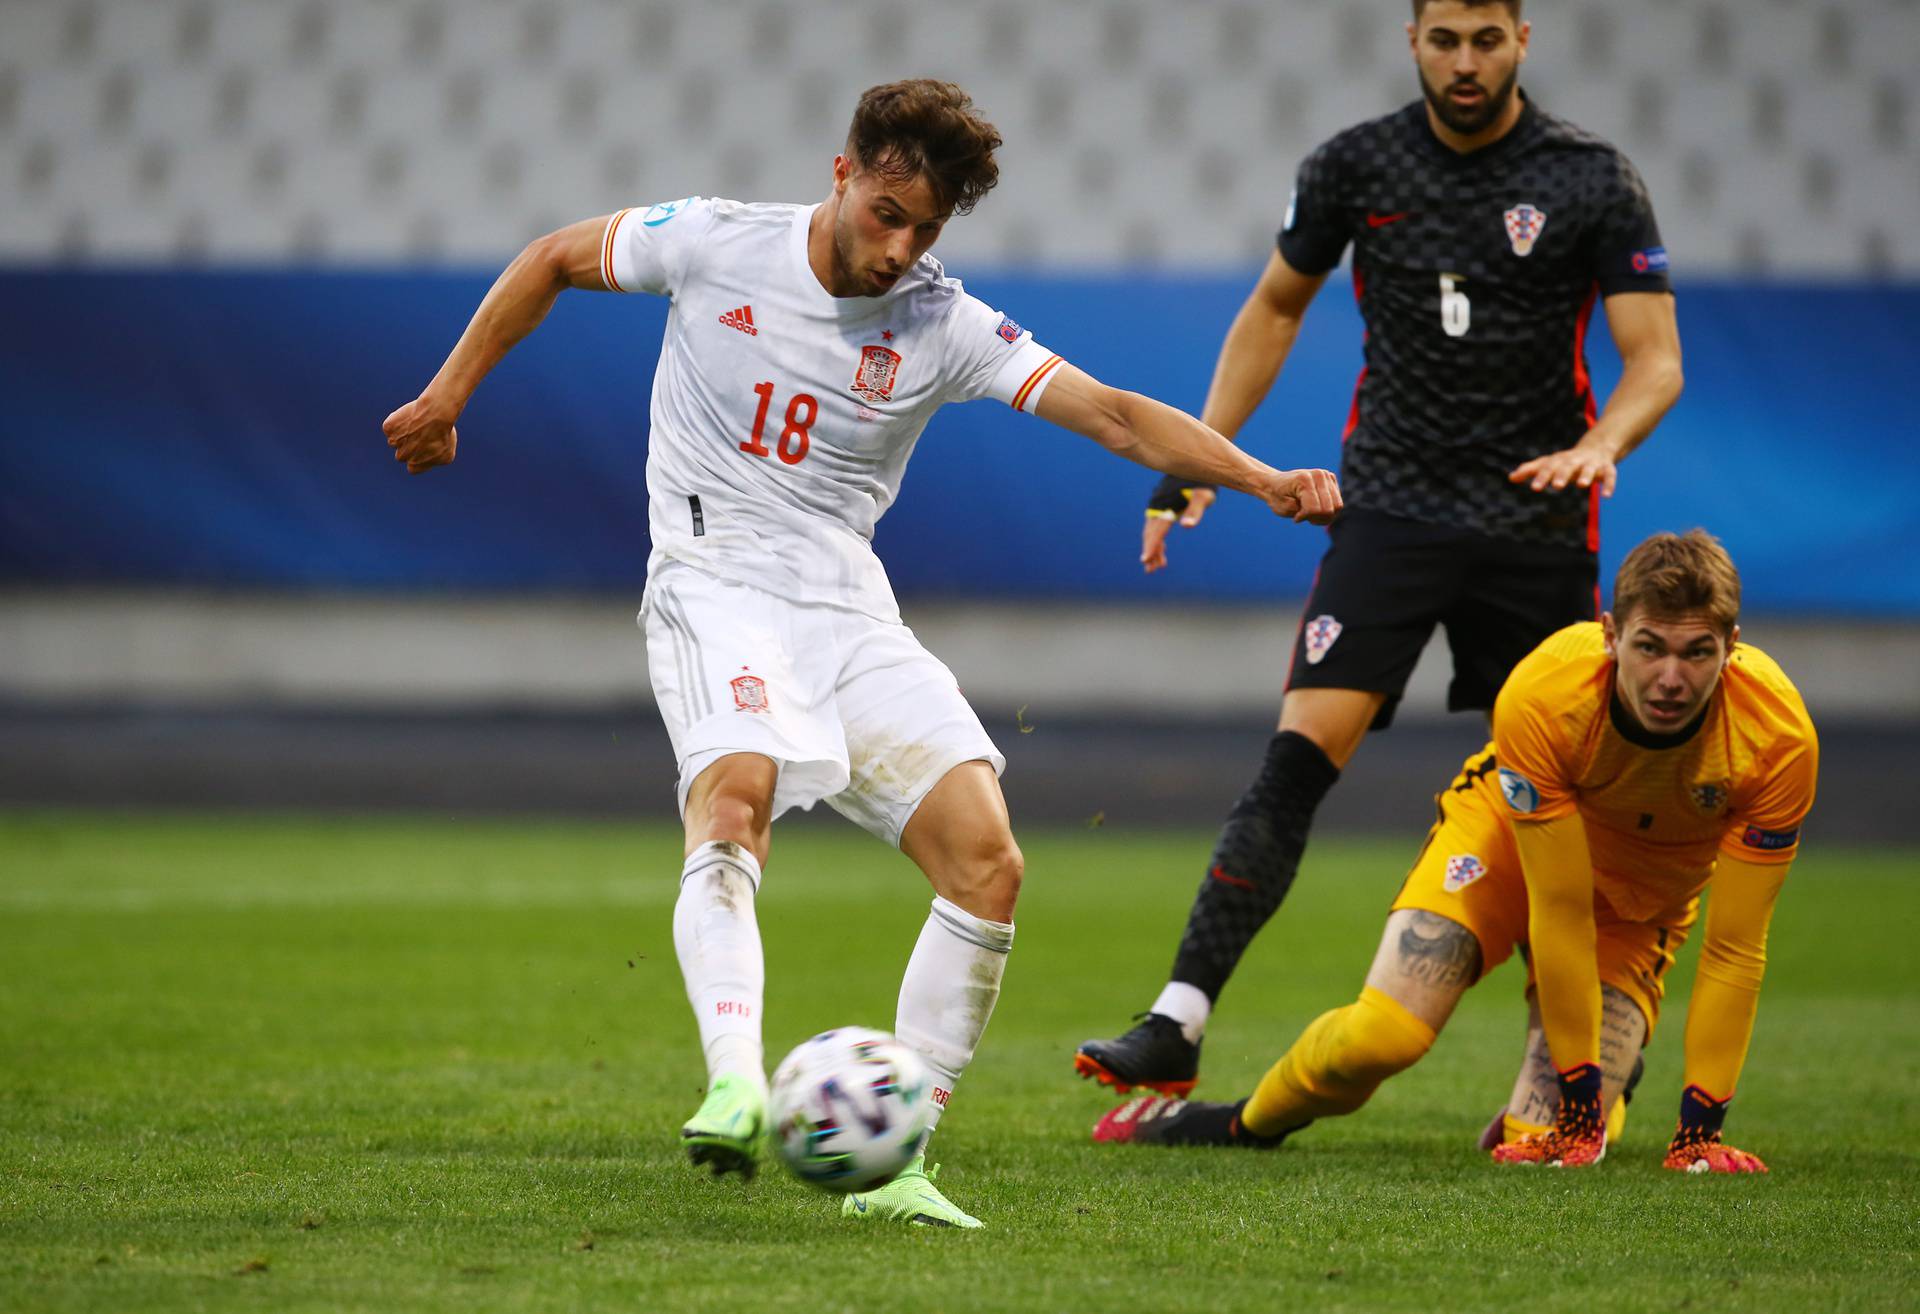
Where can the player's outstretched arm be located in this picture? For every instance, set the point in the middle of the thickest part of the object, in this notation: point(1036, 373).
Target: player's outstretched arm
point(1173, 442)
point(1648, 335)
point(1726, 998)
point(422, 432)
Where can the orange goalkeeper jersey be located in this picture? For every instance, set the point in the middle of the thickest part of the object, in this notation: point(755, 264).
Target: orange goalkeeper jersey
point(1657, 809)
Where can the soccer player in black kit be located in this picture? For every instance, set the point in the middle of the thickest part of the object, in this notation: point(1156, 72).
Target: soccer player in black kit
point(1483, 231)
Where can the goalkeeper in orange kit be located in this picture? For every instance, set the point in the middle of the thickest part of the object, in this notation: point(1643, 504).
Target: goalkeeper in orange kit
point(1635, 763)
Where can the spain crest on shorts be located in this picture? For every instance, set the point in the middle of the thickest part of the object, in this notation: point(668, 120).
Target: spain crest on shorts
point(1524, 223)
point(1463, 869)
point(873, 380)
point(749, 694)
point(1318, 636)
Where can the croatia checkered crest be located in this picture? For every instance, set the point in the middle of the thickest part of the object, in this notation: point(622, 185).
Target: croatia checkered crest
point(1524, 223)
point(850, 1108)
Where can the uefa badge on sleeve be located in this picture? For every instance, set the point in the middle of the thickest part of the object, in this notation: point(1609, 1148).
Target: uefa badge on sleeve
point(1524, 223)
point(1521, 794)
point(1318, 636)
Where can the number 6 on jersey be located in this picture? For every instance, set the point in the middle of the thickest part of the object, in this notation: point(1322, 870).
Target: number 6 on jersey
point(1456, 312)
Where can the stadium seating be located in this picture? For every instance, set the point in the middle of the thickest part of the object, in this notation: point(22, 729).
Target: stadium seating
point(1777, 135)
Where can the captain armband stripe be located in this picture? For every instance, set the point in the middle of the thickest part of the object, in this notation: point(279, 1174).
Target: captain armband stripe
point(1033, 380)
point(606, 252)
point(1755, 838)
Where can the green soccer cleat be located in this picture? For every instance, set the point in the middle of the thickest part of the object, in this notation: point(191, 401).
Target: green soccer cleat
point(910, 1198)
point(727, 1130)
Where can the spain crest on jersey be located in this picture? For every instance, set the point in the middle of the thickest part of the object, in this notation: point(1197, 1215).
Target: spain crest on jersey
point(879, 366)
point(1524, 223)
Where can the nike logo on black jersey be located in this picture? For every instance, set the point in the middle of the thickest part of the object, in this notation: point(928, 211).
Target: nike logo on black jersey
point(1382, 220)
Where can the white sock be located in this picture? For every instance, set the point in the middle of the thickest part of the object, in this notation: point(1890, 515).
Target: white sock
point(949, 990)
point(1186, 1004)
point(718, 943)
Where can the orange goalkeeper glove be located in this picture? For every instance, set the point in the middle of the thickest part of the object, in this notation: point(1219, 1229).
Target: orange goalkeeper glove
point(1578, 1137)
point(1696, 1146)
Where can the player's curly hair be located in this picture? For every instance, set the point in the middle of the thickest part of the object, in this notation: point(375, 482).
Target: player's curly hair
point(1679, 575)
point(921, 127)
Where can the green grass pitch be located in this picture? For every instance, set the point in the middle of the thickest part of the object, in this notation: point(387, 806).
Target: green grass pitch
point(346, 1064)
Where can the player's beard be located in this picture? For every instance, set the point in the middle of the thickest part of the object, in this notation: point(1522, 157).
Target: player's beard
point(1469, 122)
point(843, 278)
point(849, 278)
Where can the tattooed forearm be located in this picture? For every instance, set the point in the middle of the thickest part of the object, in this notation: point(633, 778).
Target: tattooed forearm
point(1622, 1033)
point(1437, 951)
point(1536, 1098)
point(1536, 1094)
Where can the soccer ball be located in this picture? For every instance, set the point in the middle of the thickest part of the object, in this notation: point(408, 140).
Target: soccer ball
point(850, 1108)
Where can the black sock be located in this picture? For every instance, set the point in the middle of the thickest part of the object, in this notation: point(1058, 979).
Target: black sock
point(1254, 860)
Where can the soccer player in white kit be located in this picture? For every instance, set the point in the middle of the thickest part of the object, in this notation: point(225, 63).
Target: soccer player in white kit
point(806, 350)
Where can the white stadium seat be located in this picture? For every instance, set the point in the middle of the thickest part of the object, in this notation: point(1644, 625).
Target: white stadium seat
point(380, 114)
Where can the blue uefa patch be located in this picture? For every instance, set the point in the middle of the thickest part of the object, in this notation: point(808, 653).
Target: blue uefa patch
point(1519, 792)
point(1653, 260)
point(659, 214)
point(1009, 330)
point(1756, 838)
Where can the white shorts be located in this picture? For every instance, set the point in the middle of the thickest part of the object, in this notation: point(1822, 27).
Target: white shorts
point(852, 709)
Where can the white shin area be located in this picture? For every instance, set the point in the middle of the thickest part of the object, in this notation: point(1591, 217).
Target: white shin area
point(718, 944)
point(948, 993)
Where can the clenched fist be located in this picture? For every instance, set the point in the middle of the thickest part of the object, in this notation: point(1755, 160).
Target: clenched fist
point(1309, 495)
point(421, 433)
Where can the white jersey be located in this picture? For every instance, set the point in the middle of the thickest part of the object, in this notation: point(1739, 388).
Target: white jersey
point(782, 416)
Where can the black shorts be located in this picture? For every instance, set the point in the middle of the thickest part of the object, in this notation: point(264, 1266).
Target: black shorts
point(1386, 582)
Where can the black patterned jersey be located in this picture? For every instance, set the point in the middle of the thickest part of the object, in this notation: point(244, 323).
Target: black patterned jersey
point(1476, 276)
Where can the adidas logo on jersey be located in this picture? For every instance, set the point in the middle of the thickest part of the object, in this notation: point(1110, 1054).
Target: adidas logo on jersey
point(741, 319)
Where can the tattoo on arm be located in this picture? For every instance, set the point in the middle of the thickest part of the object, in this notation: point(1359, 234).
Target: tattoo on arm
point(1623, 1031)
point(1438, 951)
point(1542, 1098)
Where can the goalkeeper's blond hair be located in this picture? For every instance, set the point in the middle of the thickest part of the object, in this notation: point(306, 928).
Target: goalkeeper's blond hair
point(1679, 575)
